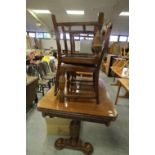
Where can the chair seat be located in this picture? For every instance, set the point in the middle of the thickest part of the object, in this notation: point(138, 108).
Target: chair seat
point(51, 74)
point(48, 77)
point(79, 59)
point(43, 82)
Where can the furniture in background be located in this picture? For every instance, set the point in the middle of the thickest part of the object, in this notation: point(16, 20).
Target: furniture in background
point(109, 62)
point(120, 68)
point(115, 48)
point(45, 73)
point(103, 113)
point(115, 51)
point(48, 71)
point(31, 95)
point(32, 70)
point(52, 65)
point(125, 84)
point(33, 43)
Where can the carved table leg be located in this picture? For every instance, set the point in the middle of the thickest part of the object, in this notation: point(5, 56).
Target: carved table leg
point(74, 142)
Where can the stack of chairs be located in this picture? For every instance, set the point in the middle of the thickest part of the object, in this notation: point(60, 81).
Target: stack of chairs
point(71, 63)
point(32, 70)
point(45, 75)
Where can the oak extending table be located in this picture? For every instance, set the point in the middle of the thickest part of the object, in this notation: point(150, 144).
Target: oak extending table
point(78, 110)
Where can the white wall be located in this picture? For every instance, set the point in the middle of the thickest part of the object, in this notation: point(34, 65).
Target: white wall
point(47, 43)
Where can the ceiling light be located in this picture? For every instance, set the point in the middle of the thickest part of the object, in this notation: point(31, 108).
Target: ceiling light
point(75, 12)
point(42, 11)
point(124, 14)
point(38, 24)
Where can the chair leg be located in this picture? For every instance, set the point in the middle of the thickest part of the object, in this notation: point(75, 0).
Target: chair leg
point(49, 85)
point(42, 89)
point(43, 92)
point(36, 98)
point(117, 94)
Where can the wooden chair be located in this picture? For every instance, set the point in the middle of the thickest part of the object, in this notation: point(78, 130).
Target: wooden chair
point(69, 56)
point(85, 68)
point(45, 73)
point(46, 68)
point(49, 74)
point(82, 63)
point(52, 66)
point(42, 83)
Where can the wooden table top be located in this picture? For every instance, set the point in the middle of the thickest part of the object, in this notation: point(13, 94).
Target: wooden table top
point(122, 58)
point(124, 83)
point(88, 110)
point(118, 72)
point(30, 79)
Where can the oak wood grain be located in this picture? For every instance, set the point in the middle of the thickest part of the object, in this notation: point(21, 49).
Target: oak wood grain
point(88, 110)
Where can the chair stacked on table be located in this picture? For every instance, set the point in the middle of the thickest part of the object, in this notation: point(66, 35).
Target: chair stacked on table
point(72, 80)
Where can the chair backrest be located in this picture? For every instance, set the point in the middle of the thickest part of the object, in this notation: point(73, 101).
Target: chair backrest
point(84, 33)
point(46, 67)
point(69, 27)
point(105, 43)
point(32, 70)
point(41, 70)
point(52, 65)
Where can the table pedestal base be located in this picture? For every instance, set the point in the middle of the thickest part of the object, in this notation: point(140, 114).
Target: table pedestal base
point(74, 142)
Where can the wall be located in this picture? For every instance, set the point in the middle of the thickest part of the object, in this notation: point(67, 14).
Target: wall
point(47, 43)
point(115, 47)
